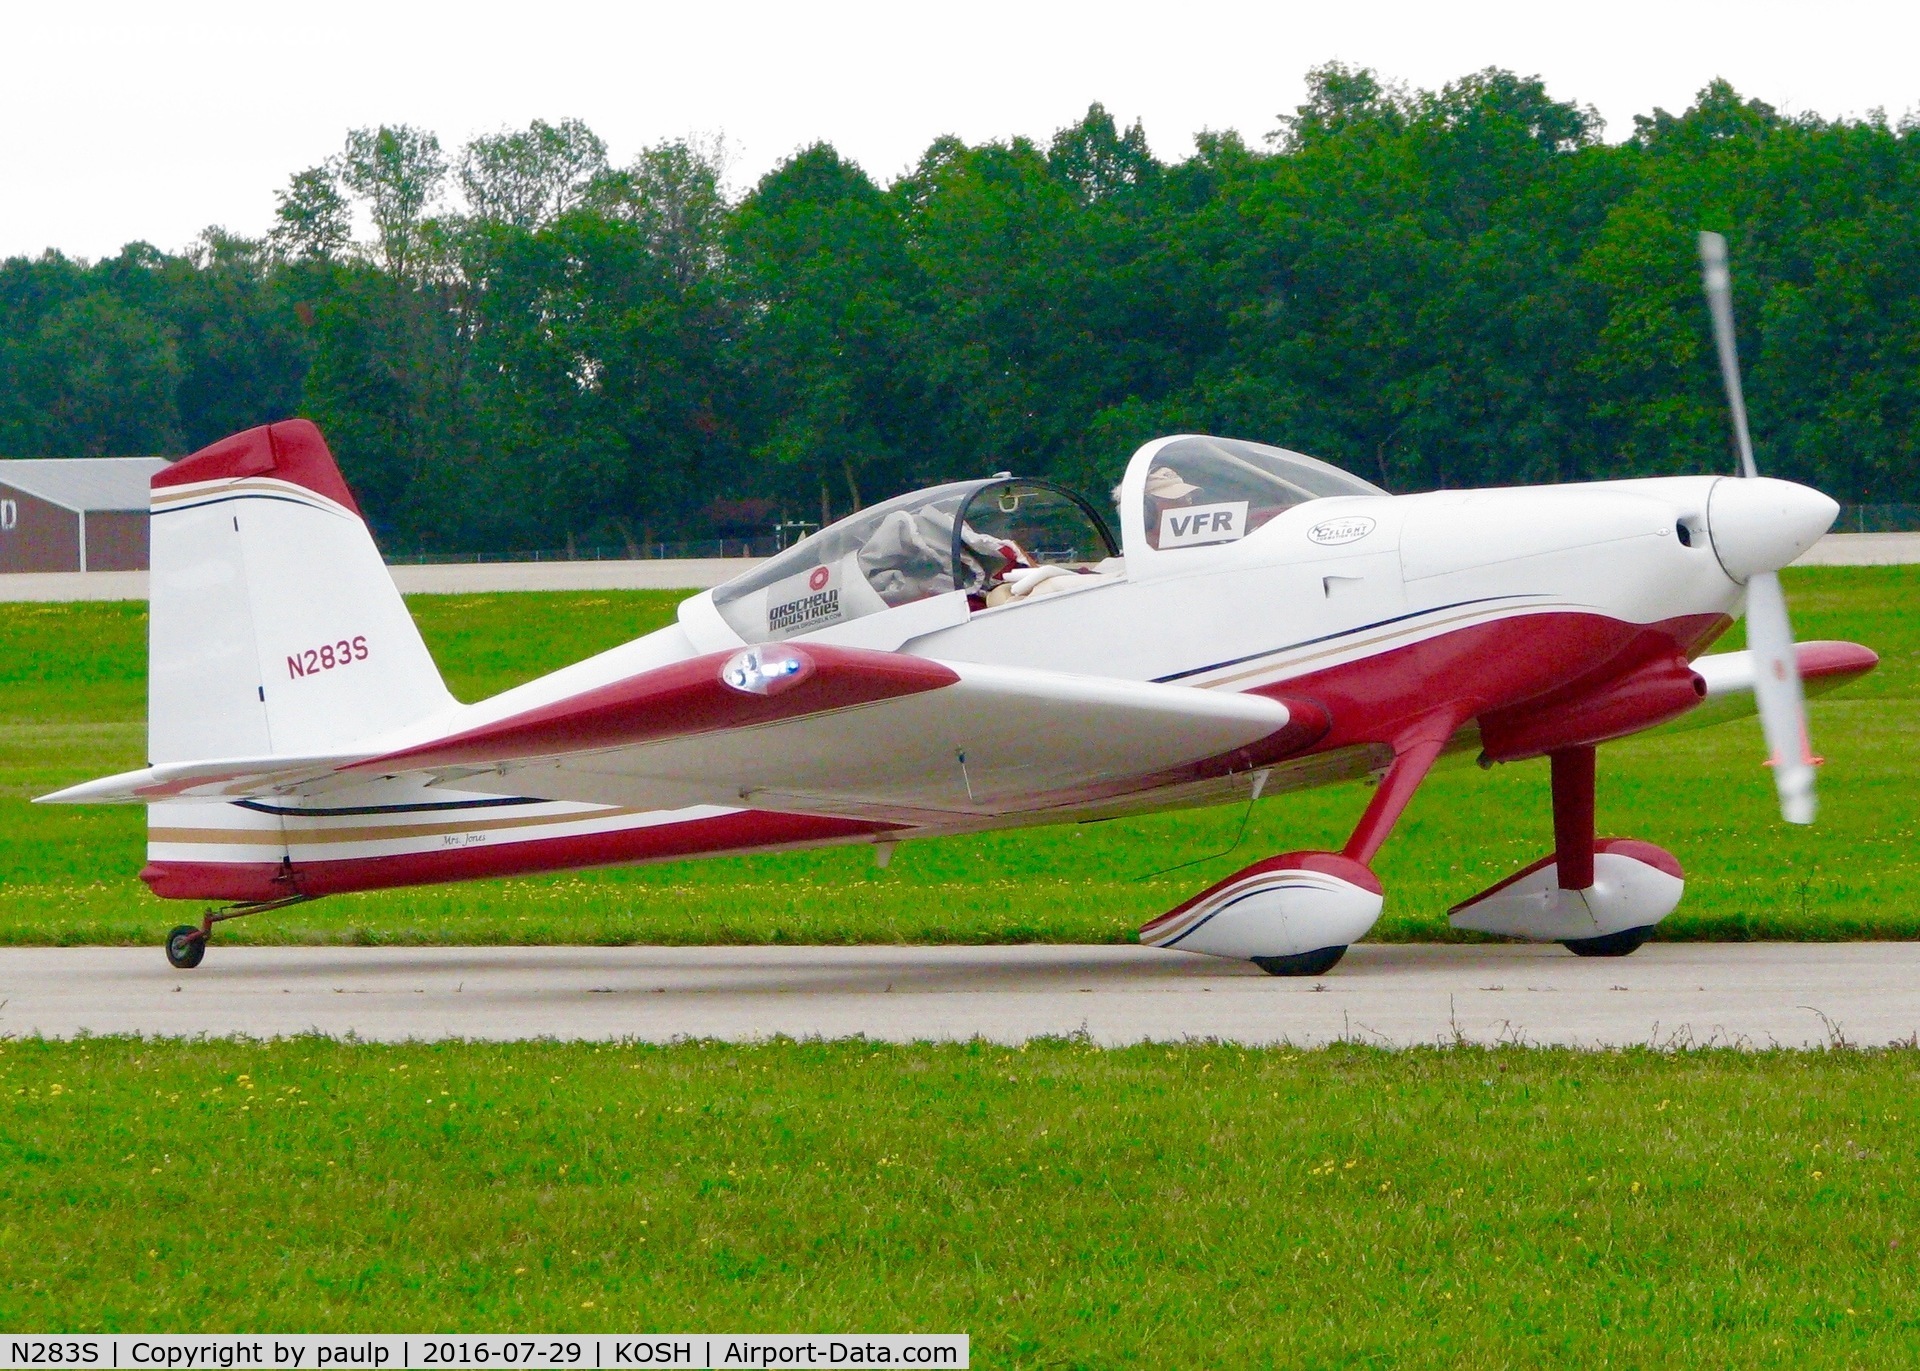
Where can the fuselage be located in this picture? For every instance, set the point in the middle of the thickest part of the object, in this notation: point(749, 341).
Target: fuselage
point(1386, 612)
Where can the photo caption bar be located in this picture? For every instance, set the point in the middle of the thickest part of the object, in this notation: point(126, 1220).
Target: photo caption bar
point(398, 1351)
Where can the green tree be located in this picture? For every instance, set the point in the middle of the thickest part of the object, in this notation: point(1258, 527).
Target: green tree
point(312, 220)
point(1097, 159)
point(97, 379)
point(397, 172)
point(821, 261)
point(601, 363)
point(531, 177)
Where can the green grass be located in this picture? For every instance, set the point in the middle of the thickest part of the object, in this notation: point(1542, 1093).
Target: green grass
point(72, 706)
point(1065, 1205)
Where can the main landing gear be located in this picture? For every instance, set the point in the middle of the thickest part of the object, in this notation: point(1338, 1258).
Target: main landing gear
point(1597, 897)
point(187, 944)
point(1296, 914)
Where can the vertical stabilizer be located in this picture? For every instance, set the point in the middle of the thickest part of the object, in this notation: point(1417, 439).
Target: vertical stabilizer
point(275, 626)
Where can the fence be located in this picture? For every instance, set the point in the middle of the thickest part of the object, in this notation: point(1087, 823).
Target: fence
point(1878, 519)
point(764, 546)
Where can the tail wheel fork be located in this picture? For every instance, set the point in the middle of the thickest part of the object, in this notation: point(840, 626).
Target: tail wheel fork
point(187, 944)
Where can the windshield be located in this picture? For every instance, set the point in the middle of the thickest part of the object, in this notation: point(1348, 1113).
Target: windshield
point(1018, 523)
point(1202, 490)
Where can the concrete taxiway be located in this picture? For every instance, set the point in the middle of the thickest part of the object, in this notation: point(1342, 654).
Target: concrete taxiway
point(1674, 994)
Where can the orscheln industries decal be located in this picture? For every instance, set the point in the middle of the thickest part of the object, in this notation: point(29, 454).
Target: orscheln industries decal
point(809, 600)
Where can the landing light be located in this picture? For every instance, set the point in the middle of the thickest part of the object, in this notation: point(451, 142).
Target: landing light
point(766, 670)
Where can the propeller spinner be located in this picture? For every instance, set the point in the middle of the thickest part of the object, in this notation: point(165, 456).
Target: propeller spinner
point(1777, 690)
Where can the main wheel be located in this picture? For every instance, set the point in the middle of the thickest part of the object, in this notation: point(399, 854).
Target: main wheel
point(186, 945)
point(1315, 963)
point(1621, 944)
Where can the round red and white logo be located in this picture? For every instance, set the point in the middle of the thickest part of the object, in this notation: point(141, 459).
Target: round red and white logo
point(818, 580)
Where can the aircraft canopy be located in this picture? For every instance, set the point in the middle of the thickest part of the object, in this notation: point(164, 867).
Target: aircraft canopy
point(966, 536)
point(1194, 490)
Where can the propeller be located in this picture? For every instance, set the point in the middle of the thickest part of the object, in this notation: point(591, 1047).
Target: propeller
point(1776, 687)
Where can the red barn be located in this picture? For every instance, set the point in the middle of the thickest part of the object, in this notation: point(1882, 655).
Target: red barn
point(75, 513)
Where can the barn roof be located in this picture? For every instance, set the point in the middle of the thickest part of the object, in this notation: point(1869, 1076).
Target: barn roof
point(84, 483)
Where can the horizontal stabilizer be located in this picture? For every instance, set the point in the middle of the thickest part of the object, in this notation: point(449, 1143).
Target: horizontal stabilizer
point(803, 727)
point(221, 778)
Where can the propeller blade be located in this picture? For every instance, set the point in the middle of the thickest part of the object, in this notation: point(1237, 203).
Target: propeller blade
point(1777, 690)
point(1719, 287)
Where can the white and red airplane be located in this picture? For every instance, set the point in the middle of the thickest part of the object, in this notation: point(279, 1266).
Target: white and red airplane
point(974, 656)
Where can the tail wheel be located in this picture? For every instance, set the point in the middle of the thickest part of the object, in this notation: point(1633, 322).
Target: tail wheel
point(1620, 944)
point(186, 945)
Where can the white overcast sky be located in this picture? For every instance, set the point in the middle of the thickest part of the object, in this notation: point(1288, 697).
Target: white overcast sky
point(152, 120)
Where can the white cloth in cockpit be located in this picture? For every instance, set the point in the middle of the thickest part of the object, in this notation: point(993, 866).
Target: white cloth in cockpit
point(909, 555)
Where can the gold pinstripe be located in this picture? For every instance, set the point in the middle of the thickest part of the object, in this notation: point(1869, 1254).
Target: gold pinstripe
point(169, 496)
point(260, 837)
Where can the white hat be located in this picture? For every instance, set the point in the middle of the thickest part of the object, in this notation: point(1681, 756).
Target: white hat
point(1164, 483)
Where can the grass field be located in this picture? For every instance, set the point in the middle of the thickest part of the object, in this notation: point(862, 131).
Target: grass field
point(72, 696)
point(1065, 1205)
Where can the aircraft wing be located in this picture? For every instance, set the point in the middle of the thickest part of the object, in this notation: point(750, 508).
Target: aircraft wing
point(1824, 666)
point(804, 727)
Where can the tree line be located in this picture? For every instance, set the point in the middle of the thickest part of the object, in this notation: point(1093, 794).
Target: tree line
point(521, 344)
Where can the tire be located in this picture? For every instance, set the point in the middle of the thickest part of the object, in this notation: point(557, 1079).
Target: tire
point(186, 945)
point(1621, 944)
point(1315, 963)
